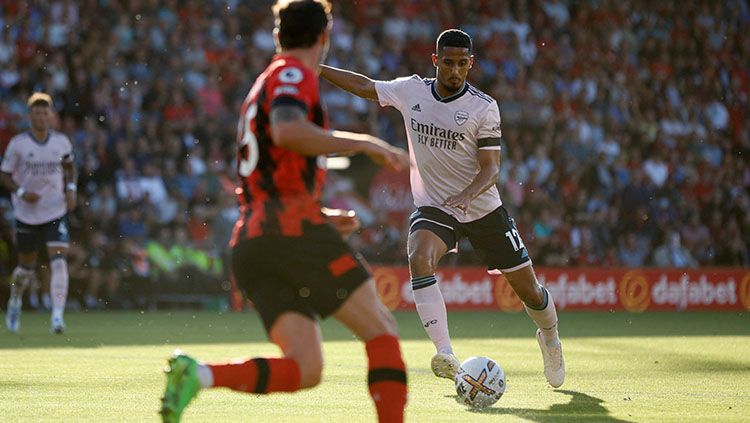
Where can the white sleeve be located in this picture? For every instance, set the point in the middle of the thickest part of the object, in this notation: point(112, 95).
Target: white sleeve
point(10, 159)
point(489, 132)
point(68, 155)
point(392, 93)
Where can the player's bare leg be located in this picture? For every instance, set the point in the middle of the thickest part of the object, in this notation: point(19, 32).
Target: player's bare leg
point(23, 276)
point(425, 250)
point(301, 367)
point(299, 338)
point(59, 280)
point(541, 308)
point(367, 317)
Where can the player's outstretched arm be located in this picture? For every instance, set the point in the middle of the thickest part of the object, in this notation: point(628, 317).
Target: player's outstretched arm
point(291, 130)
point(357, 84)
point(489, 167)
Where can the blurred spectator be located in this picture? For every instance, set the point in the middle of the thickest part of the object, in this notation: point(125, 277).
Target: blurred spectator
point(94, 277)
point(697, 239)
point(553, 253)
point(621, 120)
point(133, 267)
point(672, 253)
point(159, 253)
point(632, 254)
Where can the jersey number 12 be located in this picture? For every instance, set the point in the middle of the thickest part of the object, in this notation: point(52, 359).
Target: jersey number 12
point(515, 239)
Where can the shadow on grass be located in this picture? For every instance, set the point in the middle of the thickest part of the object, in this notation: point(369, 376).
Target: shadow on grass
point(95, 329)
point(580, 408)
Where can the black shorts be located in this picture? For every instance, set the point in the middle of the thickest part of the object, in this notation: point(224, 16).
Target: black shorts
point(494, 237)
point(30, 238)
point(313, 274)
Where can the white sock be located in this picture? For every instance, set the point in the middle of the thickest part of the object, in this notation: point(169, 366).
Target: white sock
point(58, 285)
point(57, 313)
point(205, 376)
point(546, 319)
point(431, 309)
point(19, 281)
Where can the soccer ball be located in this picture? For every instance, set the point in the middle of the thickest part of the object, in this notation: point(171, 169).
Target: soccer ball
point(480, 382)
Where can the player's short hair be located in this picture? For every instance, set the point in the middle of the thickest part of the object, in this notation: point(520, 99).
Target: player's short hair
point(453, 38)
point(300, 22)
point(39, 99)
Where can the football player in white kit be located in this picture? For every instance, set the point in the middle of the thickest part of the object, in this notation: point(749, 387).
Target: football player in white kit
point(38, 170)
point(454, 134)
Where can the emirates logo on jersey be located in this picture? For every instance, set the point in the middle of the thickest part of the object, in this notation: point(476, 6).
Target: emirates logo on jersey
point(461, 117)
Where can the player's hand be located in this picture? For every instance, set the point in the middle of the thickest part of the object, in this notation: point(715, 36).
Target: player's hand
point(71, 200)
point(386, 155)
point(460, 202)
point(344, 221)
point(30, 197)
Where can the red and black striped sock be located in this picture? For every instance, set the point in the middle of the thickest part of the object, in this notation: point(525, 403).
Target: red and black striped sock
point(258, 375)
point(387, 378)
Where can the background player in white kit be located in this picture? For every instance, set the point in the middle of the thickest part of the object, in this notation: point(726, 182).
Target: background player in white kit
point(454, 134)
point(38, 169)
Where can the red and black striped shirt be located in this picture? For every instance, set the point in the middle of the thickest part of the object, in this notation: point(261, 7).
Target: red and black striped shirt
point(279, 189)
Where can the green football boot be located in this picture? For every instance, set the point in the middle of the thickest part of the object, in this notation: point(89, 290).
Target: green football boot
point(182, 386)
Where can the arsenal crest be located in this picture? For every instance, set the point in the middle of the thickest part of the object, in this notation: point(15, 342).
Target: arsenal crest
point(461, 117)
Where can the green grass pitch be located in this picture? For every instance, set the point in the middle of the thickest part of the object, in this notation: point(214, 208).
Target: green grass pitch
point(621, 367)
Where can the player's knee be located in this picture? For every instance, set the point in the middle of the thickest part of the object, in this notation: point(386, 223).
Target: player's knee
point(421, 263)
point(310, 362)
point(532, 295)
point(526, 286)
point(311, 371)
point(27, 261)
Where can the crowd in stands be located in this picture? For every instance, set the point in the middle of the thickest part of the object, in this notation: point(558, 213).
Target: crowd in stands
point(626, 124)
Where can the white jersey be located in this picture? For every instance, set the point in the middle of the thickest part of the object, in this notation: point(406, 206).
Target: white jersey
point(37, 167)
point(445, 136)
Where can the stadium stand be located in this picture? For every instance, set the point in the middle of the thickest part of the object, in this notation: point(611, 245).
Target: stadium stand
point(625, 124)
